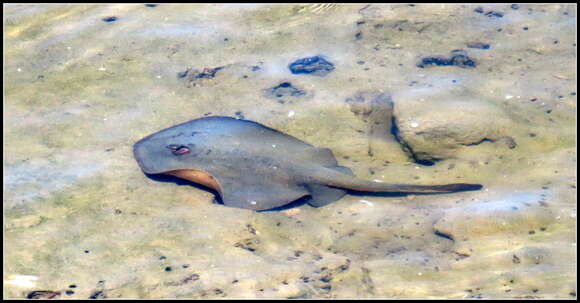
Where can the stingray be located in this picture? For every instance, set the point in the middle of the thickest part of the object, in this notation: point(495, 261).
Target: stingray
point(255, 167)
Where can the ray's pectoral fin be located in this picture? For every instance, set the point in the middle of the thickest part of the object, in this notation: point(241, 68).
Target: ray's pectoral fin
point(323, 195)
point(321, 156)
point(245, 192)
point(260, 195)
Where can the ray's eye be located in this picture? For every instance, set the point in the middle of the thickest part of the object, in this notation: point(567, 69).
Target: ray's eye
point(178, 150)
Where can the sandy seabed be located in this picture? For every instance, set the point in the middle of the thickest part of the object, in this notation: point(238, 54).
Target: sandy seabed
point(83, 83)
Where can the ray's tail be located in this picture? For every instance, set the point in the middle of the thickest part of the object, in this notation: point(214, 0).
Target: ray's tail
point(410, 188)
point(336, 179)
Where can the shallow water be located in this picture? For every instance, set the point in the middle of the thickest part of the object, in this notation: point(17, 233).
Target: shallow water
point(79, 92)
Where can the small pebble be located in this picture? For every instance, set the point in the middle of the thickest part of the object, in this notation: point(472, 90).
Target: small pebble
point(478, 45)
point(316, 65)
point(110, 19)
point(494, 14)
point(291, 212)
point(367, 202)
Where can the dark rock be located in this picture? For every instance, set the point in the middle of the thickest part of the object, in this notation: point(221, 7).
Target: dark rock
point(438, 61)
point(443, 235)
point(250, 244)
point(462, 61)
point(187, 279)
point(193, 76)
point(207, 73)
point(251, 229)
point(99, 294)
point(490, 14)
point(183, 74)
point(284, 89)
point(508, 141)
point(458, 58)
point(42, 294)
point(317, 66)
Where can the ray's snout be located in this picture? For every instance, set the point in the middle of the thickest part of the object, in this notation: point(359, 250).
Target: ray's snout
point(141, 155)
point(164, 151)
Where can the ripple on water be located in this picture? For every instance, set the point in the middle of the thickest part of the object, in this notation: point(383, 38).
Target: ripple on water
point(514, 213)
point(38, 178)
